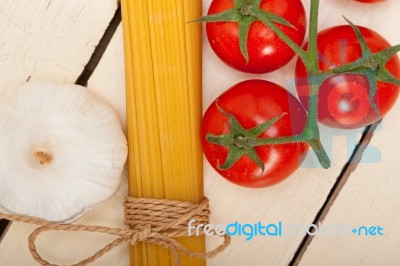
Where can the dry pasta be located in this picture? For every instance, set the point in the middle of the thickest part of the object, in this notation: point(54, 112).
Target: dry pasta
point(163, 82)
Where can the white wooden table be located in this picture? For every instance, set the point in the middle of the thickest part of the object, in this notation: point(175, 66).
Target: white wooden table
point(54, 40)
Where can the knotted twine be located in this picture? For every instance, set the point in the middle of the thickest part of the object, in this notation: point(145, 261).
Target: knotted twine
point(156, 221)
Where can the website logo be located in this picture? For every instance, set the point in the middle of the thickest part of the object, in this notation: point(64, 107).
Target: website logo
point(281, 229)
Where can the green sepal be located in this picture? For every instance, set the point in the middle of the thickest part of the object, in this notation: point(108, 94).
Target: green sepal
point(235, 152)
point(230, 15)
point(267, 18)
point(244, 28)
point(258, 130)
point(245, 12)
point(372, 65)
point(382, 57)
point(223, 140)
point(234, 124)
point(385, 76)
point(388, 53)
point(364, 46)
point(371, 76)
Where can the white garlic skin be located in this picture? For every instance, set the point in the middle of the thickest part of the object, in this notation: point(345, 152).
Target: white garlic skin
point(62, 151)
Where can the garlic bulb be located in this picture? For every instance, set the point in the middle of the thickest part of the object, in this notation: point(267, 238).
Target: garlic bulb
point(62, 151)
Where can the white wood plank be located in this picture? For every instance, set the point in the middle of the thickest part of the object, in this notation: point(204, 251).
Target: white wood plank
point(68, 248)
point(108, 80)
point(49, 39)
point(298, 199)
point(371, 197)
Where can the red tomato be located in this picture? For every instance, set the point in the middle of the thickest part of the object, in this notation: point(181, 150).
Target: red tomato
point(266, 51)
point(344, 100)
point(252, 103)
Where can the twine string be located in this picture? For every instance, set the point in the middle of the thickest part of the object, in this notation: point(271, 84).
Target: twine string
point(156, 221)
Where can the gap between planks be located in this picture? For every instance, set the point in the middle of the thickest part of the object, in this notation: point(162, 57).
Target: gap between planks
point(86, 74)
point(339, 184)
point(100, 49)
point(341, 181)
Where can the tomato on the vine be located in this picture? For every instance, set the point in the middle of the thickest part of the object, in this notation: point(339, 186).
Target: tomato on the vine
point(344, 99)
point(250, 104)
point(266, 51)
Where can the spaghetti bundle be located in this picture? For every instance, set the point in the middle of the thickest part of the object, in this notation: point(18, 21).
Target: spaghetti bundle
point(163, 86)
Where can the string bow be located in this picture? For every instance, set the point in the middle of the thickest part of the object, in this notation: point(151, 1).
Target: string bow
point(156, 221)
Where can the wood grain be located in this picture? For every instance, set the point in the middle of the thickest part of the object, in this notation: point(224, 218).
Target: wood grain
point(50, 40)
point(369, 197)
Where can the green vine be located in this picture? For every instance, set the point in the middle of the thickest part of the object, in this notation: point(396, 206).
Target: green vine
point(372, 65)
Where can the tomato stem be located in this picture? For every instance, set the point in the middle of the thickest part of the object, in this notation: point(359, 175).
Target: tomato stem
point(259, 14)
point(371, 65)
point(254, 142)
point(319, 150)
point(313, 106)
point(311, 60)
point(246, 10)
